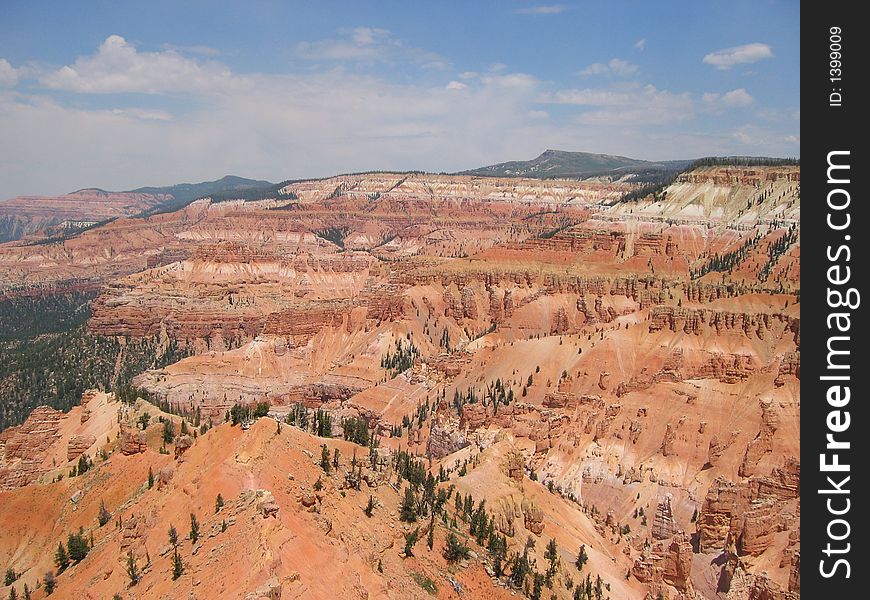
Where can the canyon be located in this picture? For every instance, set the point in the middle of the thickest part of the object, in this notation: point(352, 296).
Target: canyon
point(612, 374)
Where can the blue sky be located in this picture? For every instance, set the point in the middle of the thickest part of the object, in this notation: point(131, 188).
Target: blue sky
point(124, 94)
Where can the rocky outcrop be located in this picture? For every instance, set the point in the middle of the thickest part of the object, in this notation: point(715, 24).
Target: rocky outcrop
point(560, 322)
point(696, 320)
point(789, 365)
point(383, 302)
point(763, 442)
point(749, 513)
point(304, 320)
point(131, 440)
point(25, 447)
point(667, 562)
point(444, 440)
point(664, 526)
point(533, 517)
point(78, 445)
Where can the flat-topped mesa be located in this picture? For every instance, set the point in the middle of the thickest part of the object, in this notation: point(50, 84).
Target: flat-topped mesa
point(113, 314)
point(751, 176)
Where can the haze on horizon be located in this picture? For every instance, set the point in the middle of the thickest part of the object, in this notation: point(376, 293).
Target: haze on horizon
point(135, 95)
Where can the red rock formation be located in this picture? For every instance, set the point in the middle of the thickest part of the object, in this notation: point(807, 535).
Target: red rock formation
point(132, 441)
point(78, 445)
point(304, 320)
point(23, 452)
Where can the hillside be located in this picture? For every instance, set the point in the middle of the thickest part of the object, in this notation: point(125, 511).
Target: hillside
point(558, 163)
point(524, 367)
point(56, 217)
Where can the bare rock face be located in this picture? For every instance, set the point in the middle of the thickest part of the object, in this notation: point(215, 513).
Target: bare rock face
point(270, 590)
point(677, 564)
point(132, 441)
point(182, 445)
point(669, 563)
point(533, 517)
point(750, 513)
point(560, 322)
point(78, 445)
point(299, 323)
point(763, 442)
point(514, 466)
point(452, 304)
point(667, 447)
point(444, 440)
point(25, 447)
point(266, 504)
point(717, 447)
point(789, 365)
point(664, 526)
point(469, 304)
point(132, 532)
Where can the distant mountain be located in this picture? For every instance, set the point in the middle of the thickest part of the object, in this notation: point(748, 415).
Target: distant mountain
point(559, 163)
point(56, 218)
point(223, 188)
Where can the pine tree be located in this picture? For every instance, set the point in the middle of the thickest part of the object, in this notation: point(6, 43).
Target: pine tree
point(61, 558)
point(177, 565)
point(26, 592)
point(10, 576)
point(12, 594)
point(104, 515)
point(84, 464)
point(194, 528)
point(454, 550)
point(408, 509)
point(218, 503)
point(324, 459)
point(370, 507)
point(132, 569)
point(77, 546)
point(150, 478)
point(581, 558)
point(49, 583)
point(173, 535)
point(410, 539)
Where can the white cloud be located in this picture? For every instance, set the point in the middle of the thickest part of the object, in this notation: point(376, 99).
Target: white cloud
point(738, 55)
point(734, 99)
point(209, 120)
point(8, 74)
point(640, 44)
point(119, 67)
point(197, 49)
point(632, 105)
point(518, 81)
point(368, 44)
point(616, 66)
point(145, 114)
point(553, 9)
